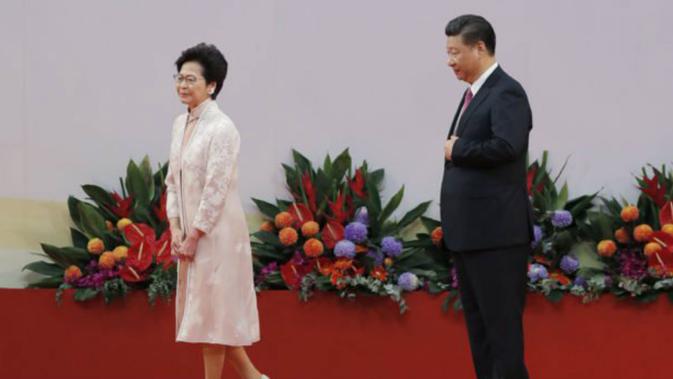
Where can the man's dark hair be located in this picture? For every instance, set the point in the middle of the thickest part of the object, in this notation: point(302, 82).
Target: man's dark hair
point(473, 29)
point(211, 59)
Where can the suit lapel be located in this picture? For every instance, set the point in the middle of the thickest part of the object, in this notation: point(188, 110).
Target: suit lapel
point(479, 98)
point(455, 116)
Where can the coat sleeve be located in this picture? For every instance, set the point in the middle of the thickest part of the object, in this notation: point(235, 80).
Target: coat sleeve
point(510, 117)
point(172, 210)
point(221, 161)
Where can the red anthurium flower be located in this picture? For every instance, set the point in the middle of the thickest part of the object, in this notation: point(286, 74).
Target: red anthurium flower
point(163, 250)
point(310, 191)
point(662, 262)
point(122, 206)
point(655, 190)
point(357, 184)
point(666, 213)
point(160, 209)
point(530, 178)
point(300, 214)
point(136, 233)
point(131, 275)
point(332, 233)
point(140, 255)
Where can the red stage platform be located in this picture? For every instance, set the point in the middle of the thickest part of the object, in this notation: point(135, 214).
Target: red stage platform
point(329, 338)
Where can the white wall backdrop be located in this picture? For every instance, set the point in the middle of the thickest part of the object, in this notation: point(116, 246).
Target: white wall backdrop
point(87, 85)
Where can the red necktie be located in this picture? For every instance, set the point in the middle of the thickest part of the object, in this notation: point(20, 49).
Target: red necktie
point(468, 99)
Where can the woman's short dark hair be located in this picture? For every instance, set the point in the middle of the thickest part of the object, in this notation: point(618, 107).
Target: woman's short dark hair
point(211, 59)
point(473, 29)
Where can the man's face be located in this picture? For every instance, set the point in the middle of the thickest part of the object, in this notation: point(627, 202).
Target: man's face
point(463, 59)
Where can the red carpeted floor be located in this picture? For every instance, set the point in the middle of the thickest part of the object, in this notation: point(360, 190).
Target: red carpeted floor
point(329, 338)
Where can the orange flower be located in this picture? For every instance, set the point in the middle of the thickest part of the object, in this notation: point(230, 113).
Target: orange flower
point(607, 248)
point(95, 246)
point(283, 220)
point(288, 236)
point(120, 253)
point(668, 229)
point(437, 235)
point(313, 247)
point(106, 260)
point(379, 273)
point(388, 262)
point(123, 223)
point(325, 266)
point(267, 226)
point(643, 233)
point(561, 278)
point(630, 213)
point(343, 264)
point(652, 248)
point(622, 236)
point(72, 273)
point(310, 229)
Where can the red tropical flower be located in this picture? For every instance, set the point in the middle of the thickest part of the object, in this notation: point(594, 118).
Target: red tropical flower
point(131, 275)
point(122, 206)
point(666, 214)
point(332, 233)
point(662, 261)
point(654, 189)
point(310, 191)
point(357, 184)
point(140, 255)
point(530, 178)
point(300, 214)
point(337, 208)
point(160, 209)
point(163, 250)
point(136, 233)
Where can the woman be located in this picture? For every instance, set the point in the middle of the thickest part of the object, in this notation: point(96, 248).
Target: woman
point(216, 304)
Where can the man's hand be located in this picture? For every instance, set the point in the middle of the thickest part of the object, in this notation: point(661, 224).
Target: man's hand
point(448, 147)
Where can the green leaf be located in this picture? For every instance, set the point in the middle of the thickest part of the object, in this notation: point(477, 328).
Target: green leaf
point(555, 296)
point(267, 209)
point(413, 214)
point(84, 294)
point(341, 164)
point(392, 205)
point(58, 256)
point(302, 163)
point(49, 282)
point(146, 170)
point(92, 221)
point(430, 224)
point(135, 183)
point(267, 237)
point(74, 210)
point(78, 238)
point(98, 195)
point(44, 268)
point(562, 198)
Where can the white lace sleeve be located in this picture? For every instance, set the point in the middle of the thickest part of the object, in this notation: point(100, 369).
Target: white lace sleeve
point(222, 156)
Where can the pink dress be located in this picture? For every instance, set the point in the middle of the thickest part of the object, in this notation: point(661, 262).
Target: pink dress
point(216, 301)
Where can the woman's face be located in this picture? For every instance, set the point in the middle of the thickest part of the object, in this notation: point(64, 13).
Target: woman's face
point(191, 85)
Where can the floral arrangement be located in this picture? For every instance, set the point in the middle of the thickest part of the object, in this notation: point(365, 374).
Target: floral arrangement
point(336, 234)
point(121, 242)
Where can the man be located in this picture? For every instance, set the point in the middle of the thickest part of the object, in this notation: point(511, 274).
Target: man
point(486, 215)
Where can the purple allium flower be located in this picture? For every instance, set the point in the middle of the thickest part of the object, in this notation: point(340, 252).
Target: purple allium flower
point(569, 264)
point(580, 281)
point(356, 232)
point(344, 249)
point(408, 281)
point(537, 272)
point(362, 215)
point(632, 265)
point(377, 256)
point(391, 246)
point(561, 219)
point(537, 236)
